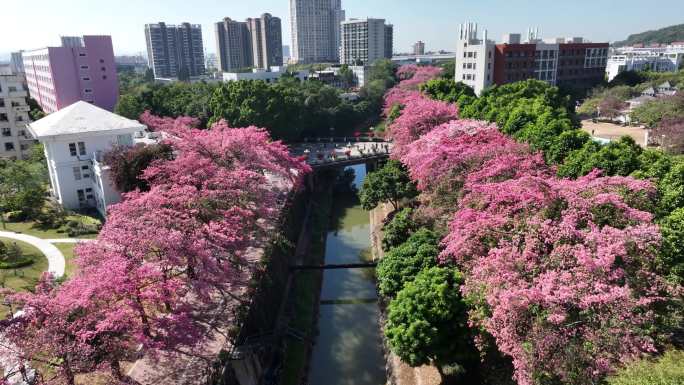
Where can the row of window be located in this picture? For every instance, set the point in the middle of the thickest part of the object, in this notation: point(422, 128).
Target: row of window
point(9, 146)
point(81, 149)
point(84, 194)
point(82, 172)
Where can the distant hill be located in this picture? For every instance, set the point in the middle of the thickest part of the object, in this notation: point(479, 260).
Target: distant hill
point(664, 36)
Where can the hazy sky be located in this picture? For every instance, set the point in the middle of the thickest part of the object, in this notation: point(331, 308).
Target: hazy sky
point(37, 23)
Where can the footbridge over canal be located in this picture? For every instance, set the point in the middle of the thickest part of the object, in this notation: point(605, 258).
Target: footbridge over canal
point(321, 153)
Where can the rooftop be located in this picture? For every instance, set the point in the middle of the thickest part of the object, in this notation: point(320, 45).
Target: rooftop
point(79, 118)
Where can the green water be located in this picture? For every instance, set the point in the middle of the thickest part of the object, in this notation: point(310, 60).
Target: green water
point(348, 349)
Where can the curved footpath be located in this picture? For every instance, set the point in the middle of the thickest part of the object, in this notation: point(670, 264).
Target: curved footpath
point(56, 261)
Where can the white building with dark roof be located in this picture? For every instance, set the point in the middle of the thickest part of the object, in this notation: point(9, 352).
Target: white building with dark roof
point(75, 138)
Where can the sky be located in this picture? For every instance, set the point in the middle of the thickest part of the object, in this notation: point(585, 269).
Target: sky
point(39, 23)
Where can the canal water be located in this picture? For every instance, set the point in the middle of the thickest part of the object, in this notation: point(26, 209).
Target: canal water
point(348, 350)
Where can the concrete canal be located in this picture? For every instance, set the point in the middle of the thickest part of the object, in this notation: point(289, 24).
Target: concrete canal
point(348, 350)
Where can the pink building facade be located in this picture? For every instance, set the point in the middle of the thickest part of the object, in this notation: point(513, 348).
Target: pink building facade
point(60, 76)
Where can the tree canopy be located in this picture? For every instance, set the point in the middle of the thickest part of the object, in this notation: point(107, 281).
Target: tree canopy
point(390, 184)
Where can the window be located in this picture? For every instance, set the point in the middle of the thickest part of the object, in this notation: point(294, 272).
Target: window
point(81, 148)
point(89, 190)
point(84, 67)
point(77, 173)
point(81, 195)
point(88, 91)
point(103, 69)
point(9, 146)
point(6, 131)
point(3, 117)
point(81, 54)
point(86, 78)
point(104, 77)
point(85, 168)
point(11, 88)
point(72, 149)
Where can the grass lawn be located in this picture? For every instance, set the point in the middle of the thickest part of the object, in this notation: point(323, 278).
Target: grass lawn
point(25, 278)
point(68, 250)
point(32, 228)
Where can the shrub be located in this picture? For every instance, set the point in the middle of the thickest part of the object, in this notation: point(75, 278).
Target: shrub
point(398, 229)
point(402, 263)
point(667, 370)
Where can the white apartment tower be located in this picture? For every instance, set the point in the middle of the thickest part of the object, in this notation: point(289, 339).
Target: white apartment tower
point(474, 58)
point(364, 41)
point(315, 30)
point(15, 140)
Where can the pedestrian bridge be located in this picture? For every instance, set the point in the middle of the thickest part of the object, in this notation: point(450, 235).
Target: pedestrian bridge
point(341, 152)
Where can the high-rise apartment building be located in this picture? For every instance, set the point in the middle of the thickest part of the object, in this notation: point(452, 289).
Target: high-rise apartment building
point(175, 50)
point(266, 41)
point(15, 140)
point(571, 63)
point(316, 34)
point(60, 76)
point(256, 42)
point(389, 40)
point(17, 62)
point(419, 48)
point(233, 45)
point(365, 40)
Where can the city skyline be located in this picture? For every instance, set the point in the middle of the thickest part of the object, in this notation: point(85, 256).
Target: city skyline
point(436, 24)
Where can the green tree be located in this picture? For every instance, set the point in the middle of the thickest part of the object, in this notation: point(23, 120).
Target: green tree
point(619, 157)
point(402, 263)
point(671, 188)
point(149, 75)
point(665, 370)
point(654, 165)
point(128, 163)
point(383, 70)
point(427, 321)
point(129, 106)
point(672, 252)
point(447, 90)
point(398, 229)
point(391, 183)
point(651, 113)
point(22, 187)
point(448, 69)
point(35, 110)
point(346, 76)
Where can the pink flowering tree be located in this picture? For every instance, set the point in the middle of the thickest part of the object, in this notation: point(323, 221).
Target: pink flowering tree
point(419, 116)
point(406, 71)
point(166, 259)
point(560, 273)
point(420, 76)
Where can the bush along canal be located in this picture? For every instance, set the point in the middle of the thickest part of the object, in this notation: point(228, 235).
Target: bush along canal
point(348, 349)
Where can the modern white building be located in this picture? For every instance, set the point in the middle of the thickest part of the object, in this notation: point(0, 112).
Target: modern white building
point(75, 138)
point(15, 140)
point(658, 59)
point(474, 58)
point(269, 76)
point(364, 41)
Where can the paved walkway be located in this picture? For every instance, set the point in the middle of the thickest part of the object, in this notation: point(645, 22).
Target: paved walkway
point(56, 261)
point(612, 131)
